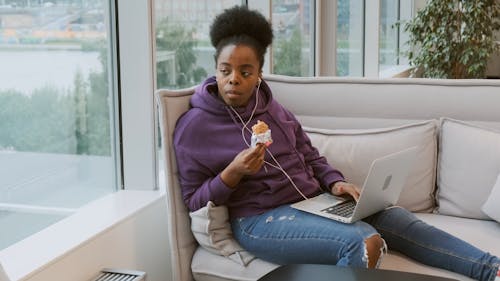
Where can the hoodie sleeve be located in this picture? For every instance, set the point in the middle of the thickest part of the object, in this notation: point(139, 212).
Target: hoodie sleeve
point(323, 171)
point(197, 169)
point(197, 182)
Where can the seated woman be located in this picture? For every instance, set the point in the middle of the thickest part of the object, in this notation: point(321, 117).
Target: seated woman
point(217, 162)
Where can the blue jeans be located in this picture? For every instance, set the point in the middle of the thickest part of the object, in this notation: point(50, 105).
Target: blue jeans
point(286, 235)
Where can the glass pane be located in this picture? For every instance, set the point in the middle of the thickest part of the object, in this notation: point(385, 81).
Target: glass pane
point(389, 39)
point(350, 37)
point(56, 109)
point(293, 45)
point(184, 54)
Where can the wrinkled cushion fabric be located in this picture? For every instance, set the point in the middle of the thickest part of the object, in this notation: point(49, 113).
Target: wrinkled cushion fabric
point(211, 228)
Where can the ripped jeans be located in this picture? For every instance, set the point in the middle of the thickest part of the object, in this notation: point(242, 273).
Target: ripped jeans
point(286, 235)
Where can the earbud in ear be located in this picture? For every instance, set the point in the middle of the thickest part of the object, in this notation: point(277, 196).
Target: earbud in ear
point(258, 83)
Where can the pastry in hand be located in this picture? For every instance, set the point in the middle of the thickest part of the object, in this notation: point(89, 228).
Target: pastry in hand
point(261, 134)
point(260, 127)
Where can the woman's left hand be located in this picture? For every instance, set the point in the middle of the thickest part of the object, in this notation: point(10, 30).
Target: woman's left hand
point(341, 188)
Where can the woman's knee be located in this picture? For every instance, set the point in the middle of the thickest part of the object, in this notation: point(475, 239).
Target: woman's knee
point(366, 248)
point(375, 246)
point(394, 218)
point(397, 211)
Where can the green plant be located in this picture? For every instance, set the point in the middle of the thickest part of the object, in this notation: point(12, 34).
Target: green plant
point(453, 38)
point(180, 41)
point(288, 55)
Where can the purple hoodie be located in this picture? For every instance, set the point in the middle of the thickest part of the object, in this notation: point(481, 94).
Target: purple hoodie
point(208, 137)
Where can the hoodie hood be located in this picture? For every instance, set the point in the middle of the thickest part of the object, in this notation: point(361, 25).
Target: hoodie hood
point(206, 98)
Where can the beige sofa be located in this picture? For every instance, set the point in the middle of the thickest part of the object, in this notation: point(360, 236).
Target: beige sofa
point(354, 120)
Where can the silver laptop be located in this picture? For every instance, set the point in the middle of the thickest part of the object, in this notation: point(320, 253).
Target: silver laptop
point(381, 189)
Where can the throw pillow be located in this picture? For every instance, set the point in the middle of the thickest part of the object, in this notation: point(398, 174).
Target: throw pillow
point(492, 205)
point(353, 150)
point(211, 228)
point(3, 275)
point(468, 165)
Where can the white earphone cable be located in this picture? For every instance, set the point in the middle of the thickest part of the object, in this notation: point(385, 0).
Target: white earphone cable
point(245, 127)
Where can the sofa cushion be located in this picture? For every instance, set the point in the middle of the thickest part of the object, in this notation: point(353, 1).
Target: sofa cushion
point(353, 150)
point(480, 233)
point(212, 230)
point(209, 267)
point(399, 262)
point(468, 165)
point(492, 206)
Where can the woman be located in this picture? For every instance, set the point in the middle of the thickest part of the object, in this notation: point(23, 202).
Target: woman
point(217, 163)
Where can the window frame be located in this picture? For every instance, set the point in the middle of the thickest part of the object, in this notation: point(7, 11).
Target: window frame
point(326, 26)
point(137, 85)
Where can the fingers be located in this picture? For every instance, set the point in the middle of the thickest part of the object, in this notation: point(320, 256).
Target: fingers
point(259, 150)
point(248, 162)
point(346, 190)
point(258, 155)
point(251, 159)
point(341, 188)
point(353, 191)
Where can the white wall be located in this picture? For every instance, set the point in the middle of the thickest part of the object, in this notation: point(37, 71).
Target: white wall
point(137, 240)
point(138, 243)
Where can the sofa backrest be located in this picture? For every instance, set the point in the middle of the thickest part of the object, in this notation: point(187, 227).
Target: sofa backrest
point(336, 102)
point(171, 105)
point(466, 161)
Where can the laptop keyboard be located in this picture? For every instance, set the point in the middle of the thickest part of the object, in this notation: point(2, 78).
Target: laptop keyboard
point(344, 209)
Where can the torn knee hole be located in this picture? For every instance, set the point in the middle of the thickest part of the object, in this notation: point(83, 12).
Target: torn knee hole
point(375, 248)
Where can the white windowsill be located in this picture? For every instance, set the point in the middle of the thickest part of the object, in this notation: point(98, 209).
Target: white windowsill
point(396, 71)
point(34, 253)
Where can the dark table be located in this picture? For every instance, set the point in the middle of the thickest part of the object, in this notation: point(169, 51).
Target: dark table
point(320, 272)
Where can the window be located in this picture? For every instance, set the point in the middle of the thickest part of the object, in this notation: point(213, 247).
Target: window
point(350, 37)
point(57, 112)
point(368, 42)
point(293, 45)
point(389, 34)
point(184, 54)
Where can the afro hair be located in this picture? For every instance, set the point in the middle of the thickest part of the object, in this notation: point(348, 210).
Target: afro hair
point(238, 21)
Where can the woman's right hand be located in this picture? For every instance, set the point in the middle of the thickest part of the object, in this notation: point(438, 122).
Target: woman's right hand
point(247, 162)
point(340, 188)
